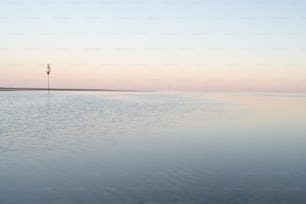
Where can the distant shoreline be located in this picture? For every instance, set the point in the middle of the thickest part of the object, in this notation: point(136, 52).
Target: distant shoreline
point(62, 89)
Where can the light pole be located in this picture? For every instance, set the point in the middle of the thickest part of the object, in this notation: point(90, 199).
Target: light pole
point(48, 73)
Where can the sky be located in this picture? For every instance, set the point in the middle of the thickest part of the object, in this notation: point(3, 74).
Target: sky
point(181, 45)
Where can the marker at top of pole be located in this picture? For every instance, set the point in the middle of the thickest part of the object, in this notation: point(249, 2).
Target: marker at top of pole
point(48, 69)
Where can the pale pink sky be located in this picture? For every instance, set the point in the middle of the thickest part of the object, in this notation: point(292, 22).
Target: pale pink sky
point(154, 45)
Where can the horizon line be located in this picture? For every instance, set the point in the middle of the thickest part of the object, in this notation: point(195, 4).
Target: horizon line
point(129, 90)
point(67, 89)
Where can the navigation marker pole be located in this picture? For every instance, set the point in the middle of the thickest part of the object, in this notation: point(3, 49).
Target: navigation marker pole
point(48, 73)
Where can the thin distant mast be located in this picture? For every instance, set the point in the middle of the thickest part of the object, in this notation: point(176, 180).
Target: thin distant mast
point(48, 73)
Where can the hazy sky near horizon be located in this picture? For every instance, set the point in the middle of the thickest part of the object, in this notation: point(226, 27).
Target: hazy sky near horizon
point(256, 45)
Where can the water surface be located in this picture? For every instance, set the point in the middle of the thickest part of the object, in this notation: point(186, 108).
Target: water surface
point(74, 147)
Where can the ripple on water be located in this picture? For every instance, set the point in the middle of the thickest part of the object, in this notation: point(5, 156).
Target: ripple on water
point(148, 148)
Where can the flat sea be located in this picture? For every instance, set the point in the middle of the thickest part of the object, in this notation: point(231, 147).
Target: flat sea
point(155, 148)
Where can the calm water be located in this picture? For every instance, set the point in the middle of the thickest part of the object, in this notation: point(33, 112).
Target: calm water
point(152, 148)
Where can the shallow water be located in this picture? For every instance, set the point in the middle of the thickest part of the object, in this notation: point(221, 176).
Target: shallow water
point(74, 147)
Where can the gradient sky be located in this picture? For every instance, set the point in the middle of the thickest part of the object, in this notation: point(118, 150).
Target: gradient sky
point(232, 45)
